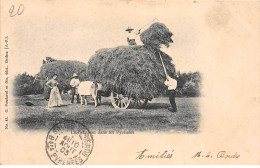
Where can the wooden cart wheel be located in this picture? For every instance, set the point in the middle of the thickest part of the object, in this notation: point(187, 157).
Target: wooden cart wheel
point(120, 101)
point(139, 103)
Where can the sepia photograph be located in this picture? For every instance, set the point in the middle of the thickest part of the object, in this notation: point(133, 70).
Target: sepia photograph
point(131, 87)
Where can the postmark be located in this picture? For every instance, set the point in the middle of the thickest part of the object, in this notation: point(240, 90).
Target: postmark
point(69, 143)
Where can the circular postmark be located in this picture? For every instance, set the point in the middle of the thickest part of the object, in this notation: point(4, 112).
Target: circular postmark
point(69, 143)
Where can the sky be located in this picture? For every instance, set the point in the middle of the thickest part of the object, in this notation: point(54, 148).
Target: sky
point(74, 31)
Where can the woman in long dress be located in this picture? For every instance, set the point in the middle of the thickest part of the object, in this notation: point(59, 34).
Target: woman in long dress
point(55, 98)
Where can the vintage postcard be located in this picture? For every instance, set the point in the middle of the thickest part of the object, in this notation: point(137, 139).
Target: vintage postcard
point(130, 82)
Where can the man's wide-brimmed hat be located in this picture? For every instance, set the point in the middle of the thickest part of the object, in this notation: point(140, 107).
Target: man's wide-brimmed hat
point(74, 75)
point(129, 29)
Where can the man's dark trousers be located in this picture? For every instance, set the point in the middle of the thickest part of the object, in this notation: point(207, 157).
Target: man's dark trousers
point(172, 100)
point(73, 90)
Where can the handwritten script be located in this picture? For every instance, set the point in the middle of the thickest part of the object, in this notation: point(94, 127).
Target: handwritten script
point(145, 154)
point(13, 11)
point(220, 154)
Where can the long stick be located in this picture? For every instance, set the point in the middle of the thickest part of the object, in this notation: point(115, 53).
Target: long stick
point(139, 30)
point(163, 65)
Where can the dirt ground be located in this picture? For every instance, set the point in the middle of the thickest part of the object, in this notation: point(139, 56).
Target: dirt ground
point(154, 117)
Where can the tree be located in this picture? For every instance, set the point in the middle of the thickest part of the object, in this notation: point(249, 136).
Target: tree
point(189, 84)
point(25, 84)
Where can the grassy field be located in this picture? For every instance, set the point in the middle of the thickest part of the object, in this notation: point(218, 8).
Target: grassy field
point(154, 117)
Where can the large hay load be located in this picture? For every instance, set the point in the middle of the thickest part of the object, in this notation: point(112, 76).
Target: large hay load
point(134, 72)
point(64, 70)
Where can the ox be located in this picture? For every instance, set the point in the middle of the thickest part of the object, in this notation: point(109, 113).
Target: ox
point(89, 88)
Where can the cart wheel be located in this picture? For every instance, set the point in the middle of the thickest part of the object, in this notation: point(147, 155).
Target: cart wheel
point(139, 103)
point(120, 101)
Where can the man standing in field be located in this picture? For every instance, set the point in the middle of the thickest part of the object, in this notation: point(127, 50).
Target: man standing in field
point(74, 83)
point(172, 85)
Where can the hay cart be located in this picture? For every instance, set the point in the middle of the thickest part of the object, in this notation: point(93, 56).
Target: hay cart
point(120, 100)
point(131, 73)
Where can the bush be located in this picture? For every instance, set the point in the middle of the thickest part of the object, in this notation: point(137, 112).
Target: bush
point(179, 92)
point(191, 89)
point(189, 84)
point(25, 84)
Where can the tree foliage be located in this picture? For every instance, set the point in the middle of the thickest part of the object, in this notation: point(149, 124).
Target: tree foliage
point(25, 84)
point(189, 84)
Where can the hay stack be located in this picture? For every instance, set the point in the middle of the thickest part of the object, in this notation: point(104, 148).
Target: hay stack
point(156, 35)
point(64, 70)
point(134, 70)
